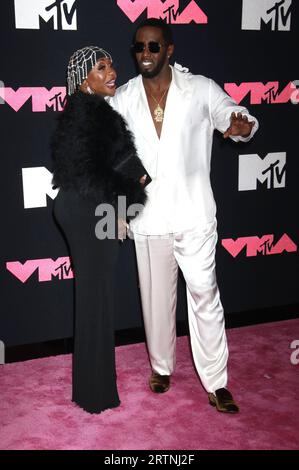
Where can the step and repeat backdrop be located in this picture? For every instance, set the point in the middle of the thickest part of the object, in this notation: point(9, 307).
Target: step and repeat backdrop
point(250, 48)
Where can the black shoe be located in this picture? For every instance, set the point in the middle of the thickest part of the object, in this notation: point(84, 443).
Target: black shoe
point(223, 400)
point(159, 383)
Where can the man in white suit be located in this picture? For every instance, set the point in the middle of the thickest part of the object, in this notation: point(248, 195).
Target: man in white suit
point(173, 114)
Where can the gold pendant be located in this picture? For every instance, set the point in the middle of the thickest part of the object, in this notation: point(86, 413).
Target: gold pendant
point(159, 114)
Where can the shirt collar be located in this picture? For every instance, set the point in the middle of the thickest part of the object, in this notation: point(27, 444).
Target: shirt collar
point(179, 80)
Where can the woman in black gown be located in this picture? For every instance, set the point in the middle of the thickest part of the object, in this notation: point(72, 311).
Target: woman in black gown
point(94, 162)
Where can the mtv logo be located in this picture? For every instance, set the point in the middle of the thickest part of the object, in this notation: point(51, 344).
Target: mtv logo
point(263, 93)
point(270, 170)
point(42, 99)
point(275, 13)
point(47, 269)
point(263, 245)
point(29, 13)
point(167, 10)
point(36, 186)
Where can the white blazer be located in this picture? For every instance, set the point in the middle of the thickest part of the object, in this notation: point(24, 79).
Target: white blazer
point(180, 194)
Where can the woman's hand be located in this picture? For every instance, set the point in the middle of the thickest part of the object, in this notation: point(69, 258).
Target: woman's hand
point(143, 179)
point(122, 228)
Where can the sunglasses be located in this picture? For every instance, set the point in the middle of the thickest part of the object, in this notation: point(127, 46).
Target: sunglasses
point(153, 46)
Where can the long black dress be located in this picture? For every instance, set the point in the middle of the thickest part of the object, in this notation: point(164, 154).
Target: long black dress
point(94, 161)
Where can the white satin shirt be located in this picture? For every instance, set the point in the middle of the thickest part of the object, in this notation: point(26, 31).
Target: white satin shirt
point(180, 194)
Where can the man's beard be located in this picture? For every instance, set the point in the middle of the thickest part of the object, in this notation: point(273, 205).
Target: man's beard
point(155, 72)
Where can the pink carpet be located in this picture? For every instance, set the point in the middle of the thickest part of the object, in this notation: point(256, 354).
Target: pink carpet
point(36, 411)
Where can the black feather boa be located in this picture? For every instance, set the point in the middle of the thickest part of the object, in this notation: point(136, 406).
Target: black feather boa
point(93, 152)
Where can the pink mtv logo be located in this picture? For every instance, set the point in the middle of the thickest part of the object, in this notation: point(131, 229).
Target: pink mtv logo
point(167, 10)
point(260, 93)
point(46, 268)
point(259, 245)
point(41, 98)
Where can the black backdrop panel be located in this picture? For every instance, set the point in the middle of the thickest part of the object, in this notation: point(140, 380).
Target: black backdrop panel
point(244, 45)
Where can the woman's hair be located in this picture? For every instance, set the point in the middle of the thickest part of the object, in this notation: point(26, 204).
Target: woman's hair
point(80, 64)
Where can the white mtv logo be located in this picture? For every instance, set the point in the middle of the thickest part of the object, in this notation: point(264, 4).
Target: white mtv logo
point(37, 184)
point(29, 12)
point(271, 169)
point(275, 12)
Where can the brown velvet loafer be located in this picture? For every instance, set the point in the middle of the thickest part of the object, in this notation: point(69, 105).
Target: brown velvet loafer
point(223, 400)
point(159, 383)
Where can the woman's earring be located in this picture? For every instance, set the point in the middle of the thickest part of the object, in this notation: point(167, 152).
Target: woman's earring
point(89, 90)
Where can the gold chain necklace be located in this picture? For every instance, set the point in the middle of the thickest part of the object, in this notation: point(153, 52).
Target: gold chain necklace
point(158, 111)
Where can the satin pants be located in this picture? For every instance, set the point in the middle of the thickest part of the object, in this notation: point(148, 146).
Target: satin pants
point(158, 258)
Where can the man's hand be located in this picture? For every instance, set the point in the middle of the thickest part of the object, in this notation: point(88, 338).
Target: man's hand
point(239, 125)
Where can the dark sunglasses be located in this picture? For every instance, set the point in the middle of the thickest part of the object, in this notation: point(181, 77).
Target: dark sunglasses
point(153, 46)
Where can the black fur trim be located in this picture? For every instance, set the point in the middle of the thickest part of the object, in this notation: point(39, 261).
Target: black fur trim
point(93, 152)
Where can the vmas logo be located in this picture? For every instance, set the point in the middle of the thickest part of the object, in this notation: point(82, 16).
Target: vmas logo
point(46, 269)
point(41, 98)
point(30, 13)
point(258, 93)
point(259, 246)
point(274, 15)
point(168, 10)
point(255, 171)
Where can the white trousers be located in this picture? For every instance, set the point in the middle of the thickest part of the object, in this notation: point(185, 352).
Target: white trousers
point(158, 258)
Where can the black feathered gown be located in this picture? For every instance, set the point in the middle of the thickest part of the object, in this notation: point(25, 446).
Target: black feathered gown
point(94, 161)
